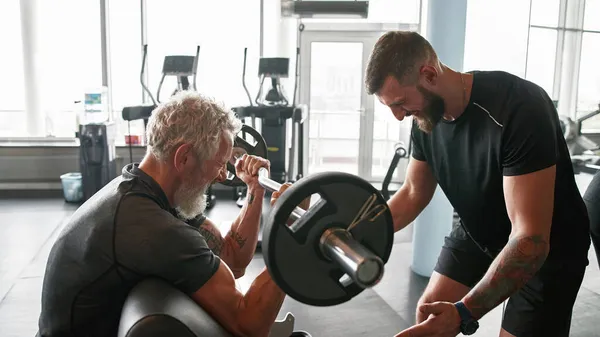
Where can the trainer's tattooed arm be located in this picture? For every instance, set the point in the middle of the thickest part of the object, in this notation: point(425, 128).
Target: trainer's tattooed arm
point(530, 204)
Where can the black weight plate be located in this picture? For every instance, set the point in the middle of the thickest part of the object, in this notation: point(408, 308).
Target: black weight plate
point(254, 145)
point(294, 259)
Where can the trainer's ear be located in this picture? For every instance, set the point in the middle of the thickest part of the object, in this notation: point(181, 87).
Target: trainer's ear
point(428, 76)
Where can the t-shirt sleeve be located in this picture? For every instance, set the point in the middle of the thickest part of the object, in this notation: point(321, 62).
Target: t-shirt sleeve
point(197, 221)
point(529, 140)
point(152, 242)
point(417, 147)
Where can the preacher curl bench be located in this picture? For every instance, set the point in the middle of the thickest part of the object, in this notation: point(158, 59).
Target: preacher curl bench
point(156, 309)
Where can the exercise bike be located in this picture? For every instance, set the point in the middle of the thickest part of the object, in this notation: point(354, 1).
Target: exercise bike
point(180, 66)
point(585, 153)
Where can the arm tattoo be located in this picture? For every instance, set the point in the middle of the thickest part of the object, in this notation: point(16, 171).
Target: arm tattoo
point(241, 241)
point(517, 263)
point(215, 242)
point(250, 199)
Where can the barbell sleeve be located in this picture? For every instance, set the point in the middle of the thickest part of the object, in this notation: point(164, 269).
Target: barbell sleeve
point(362, 265)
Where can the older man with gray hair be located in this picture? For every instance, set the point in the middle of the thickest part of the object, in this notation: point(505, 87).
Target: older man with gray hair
point(149, 222)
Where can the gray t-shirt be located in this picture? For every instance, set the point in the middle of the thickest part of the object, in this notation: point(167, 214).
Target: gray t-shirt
point(126, 232)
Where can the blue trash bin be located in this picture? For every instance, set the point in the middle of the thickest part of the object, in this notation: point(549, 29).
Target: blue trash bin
point(72, 187)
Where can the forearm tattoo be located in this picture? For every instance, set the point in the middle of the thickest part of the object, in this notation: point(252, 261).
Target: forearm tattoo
point(250, 199)
point(240, 240)
point(517, 263)
point(214, 241)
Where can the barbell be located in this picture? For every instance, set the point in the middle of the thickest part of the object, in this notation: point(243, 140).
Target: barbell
point(332, 251)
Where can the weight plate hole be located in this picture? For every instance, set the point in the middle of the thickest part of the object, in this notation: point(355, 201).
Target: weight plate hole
point(345, 280)
point(315, 204)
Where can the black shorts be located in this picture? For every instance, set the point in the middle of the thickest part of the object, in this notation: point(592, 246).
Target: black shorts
point(543, 307)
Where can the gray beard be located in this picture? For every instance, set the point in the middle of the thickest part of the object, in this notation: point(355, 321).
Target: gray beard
point(190, 201)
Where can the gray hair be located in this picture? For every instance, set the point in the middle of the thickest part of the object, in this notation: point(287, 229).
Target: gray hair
point(189, 117)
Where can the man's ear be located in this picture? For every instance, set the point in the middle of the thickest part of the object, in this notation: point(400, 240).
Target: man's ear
point(428, 76)
point(182, 159)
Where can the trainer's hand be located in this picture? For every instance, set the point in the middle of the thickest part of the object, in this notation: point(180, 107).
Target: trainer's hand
point(276, 194)
point(247, 170)
point(443, 321)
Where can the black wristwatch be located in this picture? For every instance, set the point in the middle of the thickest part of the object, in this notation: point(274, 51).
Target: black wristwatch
point(468, 324)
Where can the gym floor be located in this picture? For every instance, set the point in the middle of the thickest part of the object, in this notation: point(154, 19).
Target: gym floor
point(28, 227)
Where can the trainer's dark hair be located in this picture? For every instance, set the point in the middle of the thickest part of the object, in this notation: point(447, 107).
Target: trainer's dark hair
point(400, 54)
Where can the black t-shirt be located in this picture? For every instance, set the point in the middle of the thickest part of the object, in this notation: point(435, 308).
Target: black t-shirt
point(510, 127)
point(126, 232)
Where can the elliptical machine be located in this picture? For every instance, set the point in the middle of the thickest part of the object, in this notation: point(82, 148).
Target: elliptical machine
point(180, 66)
point(273, 110)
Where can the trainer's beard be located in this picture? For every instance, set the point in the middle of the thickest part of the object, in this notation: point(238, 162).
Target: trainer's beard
point(190, 200)
point(432, 112)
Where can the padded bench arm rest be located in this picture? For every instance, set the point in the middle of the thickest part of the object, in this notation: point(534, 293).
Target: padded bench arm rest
point(155, 308)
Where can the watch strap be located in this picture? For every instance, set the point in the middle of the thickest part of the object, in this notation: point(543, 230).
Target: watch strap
point(463, 311)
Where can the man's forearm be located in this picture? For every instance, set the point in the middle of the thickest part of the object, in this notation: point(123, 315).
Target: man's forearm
point(260, 305)
point(243, 234)
point(516, 264)
point(406, 206)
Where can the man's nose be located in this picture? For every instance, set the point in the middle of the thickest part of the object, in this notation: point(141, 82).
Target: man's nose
point(399, 114)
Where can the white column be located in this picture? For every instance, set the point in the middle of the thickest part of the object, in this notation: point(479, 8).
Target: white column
point(446, 24)
point(446, 33)
point(570, 58)
point(32, 67)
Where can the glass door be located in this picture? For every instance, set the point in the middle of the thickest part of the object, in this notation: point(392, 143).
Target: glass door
point(348, 130)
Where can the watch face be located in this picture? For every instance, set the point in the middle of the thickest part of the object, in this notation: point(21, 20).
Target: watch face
point(470, 327)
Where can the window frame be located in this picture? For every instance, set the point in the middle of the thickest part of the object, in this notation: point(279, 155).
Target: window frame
point(569, 42)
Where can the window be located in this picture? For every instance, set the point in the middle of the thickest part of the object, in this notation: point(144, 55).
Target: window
point(387, 133)
point(590, 19)
point(541, 57)
point(335, 106)
point(71, 59)
point(584, 97)
point(222, 29)
point(496, 35)
point(542, 46)
point(545, 13)
point(12, 90)
point(588, 93)
point(125, 26)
